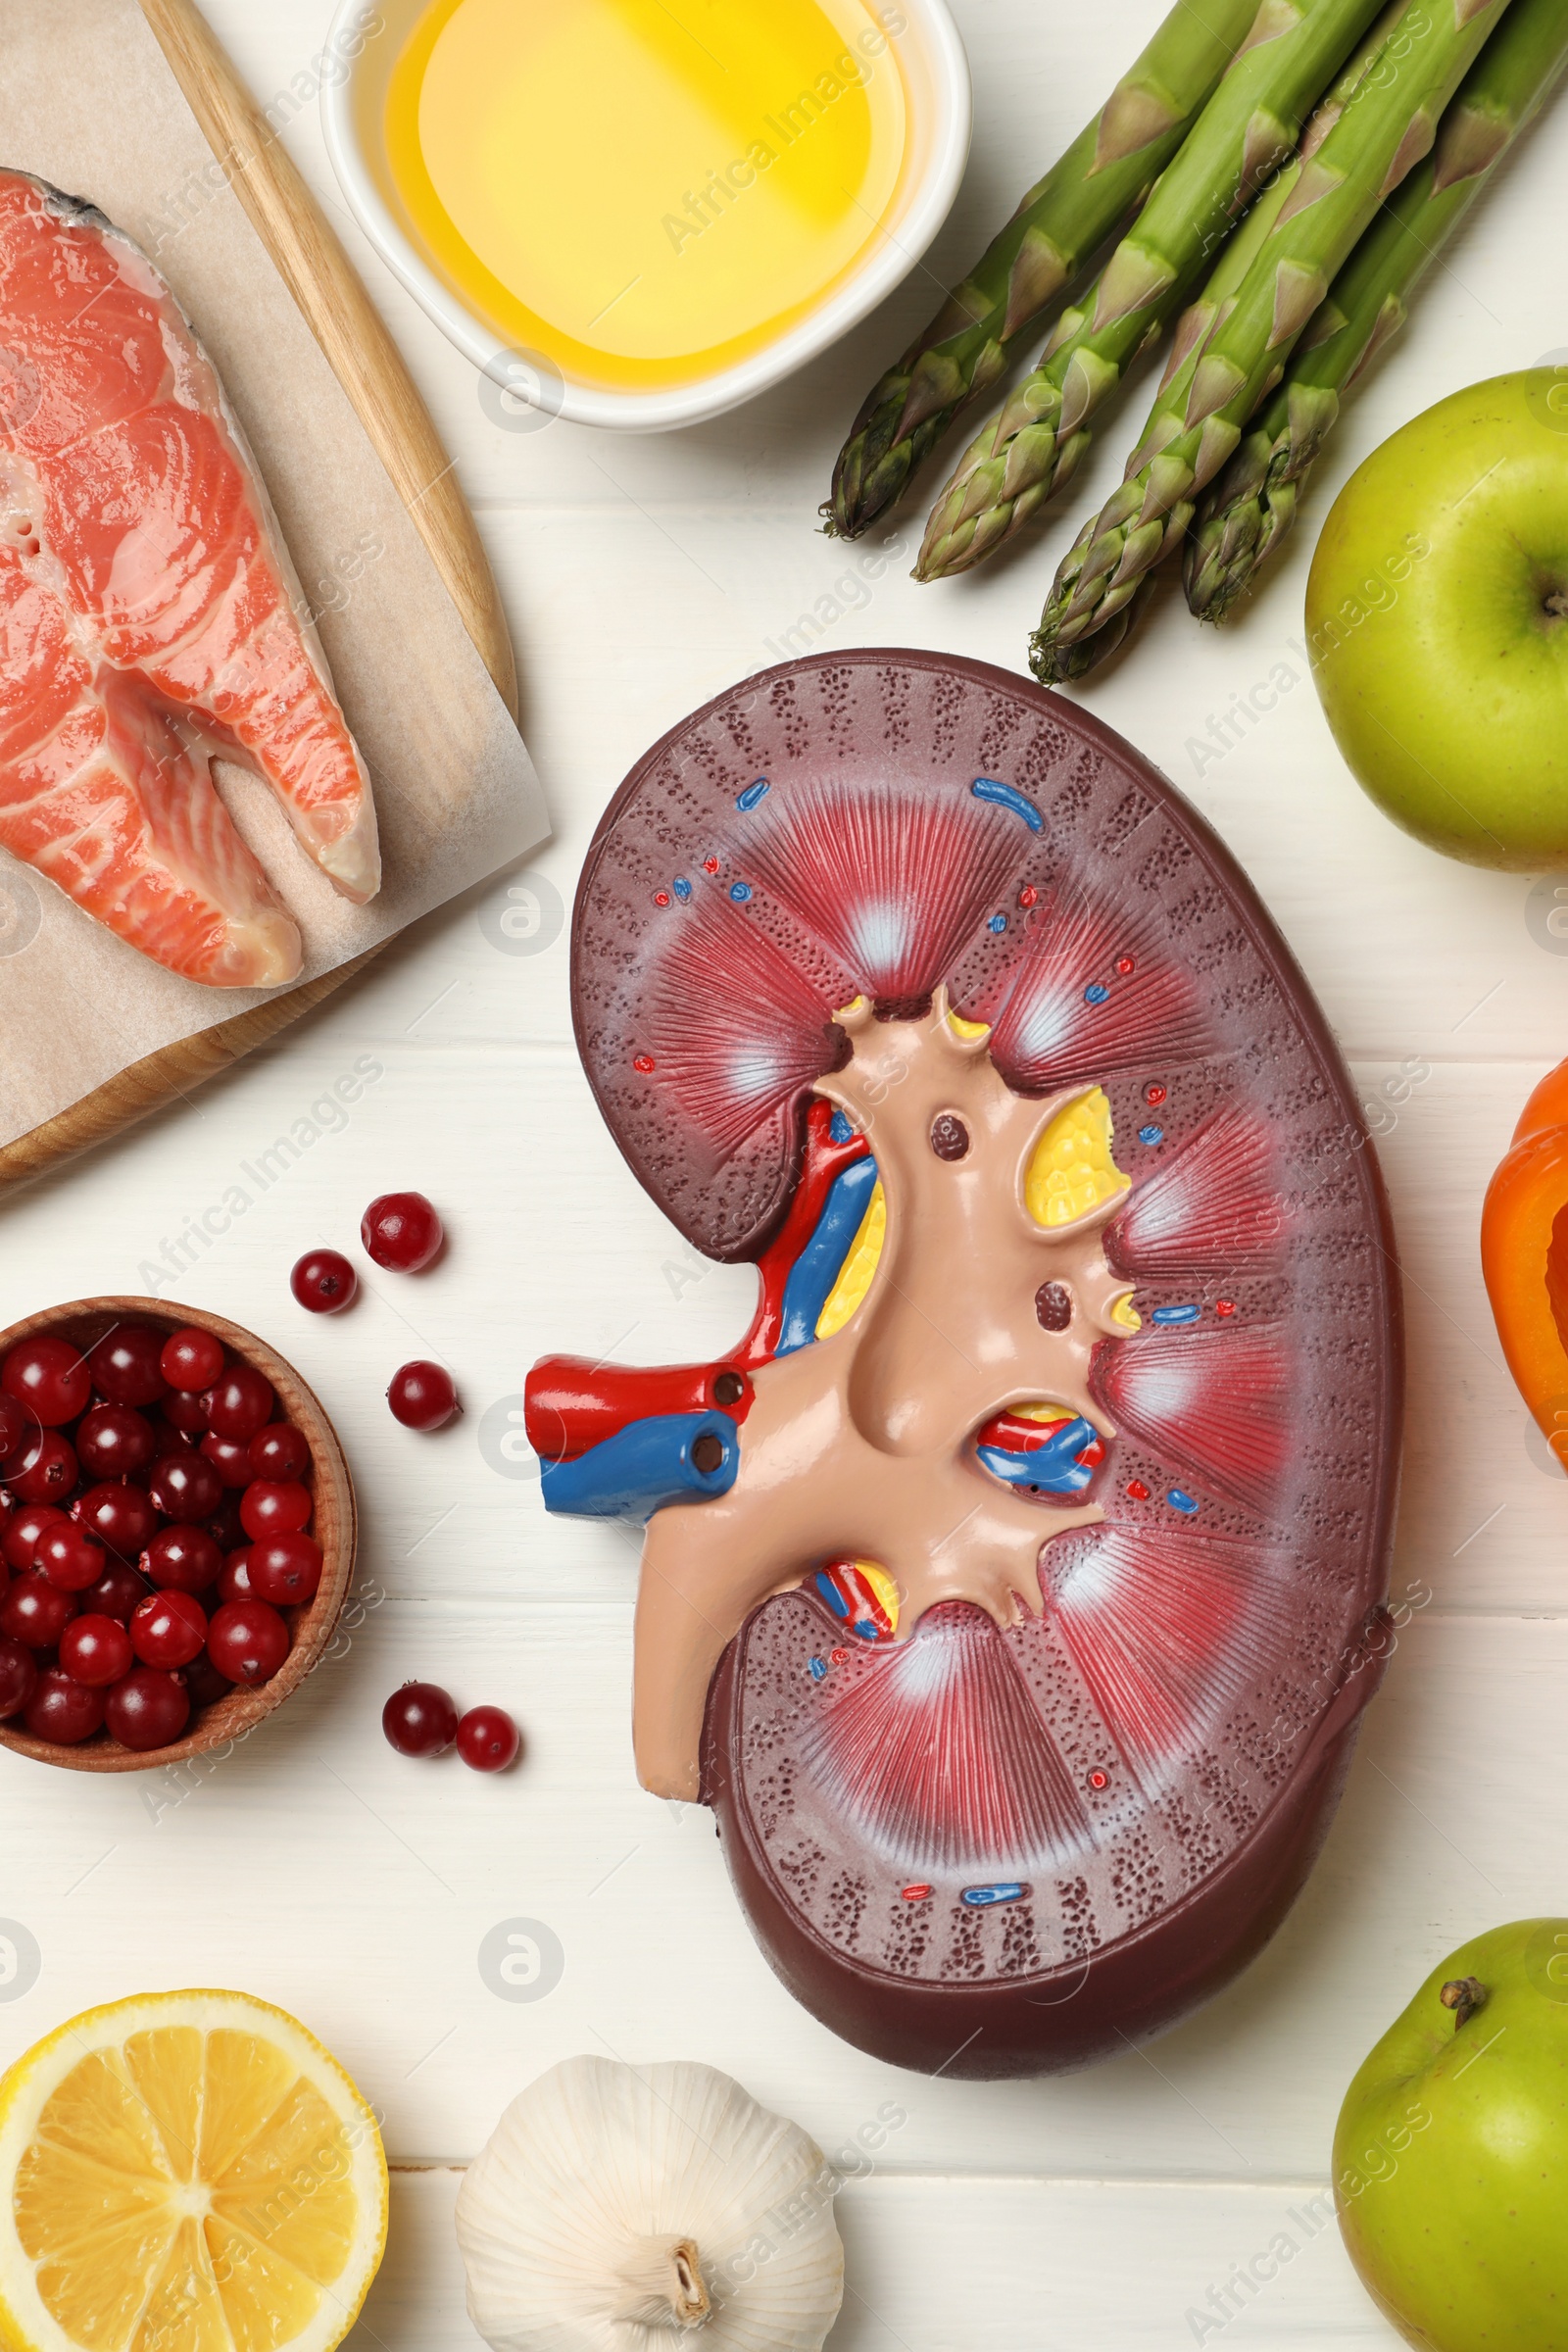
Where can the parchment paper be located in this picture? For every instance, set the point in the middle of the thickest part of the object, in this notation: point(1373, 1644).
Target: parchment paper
point(88, 101)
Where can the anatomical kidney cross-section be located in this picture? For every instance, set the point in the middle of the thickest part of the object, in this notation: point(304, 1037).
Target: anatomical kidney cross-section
point(1012, 1590)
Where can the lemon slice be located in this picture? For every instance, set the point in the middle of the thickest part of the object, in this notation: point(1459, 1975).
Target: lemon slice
point(185, 2172)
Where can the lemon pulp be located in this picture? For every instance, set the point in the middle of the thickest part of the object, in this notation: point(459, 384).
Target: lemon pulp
point(646, 193)
point(190, 2188)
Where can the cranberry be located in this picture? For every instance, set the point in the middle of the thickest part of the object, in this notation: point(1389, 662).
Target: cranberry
point(63, 1710)
point(50, 1377)
point(45, 1471)
point(279, 1451)
point(96, 1650)
point(121, 1517)
point(68, 1557)
point(488, 1739)
point(16, 1424)
point(269, 1510)
point(182, 1559)
point(225, 1525)
point(185, 1487)
point(234, 1580)
point(126, 1367)
point(204, 1682)
point(239, 1403)
point(168, 1629)
point(422, 1396)
point(284, 1569)
point(187, 1414)
point(20, 1541)
point(35, 1611)
point(323, 1282)
point(148, 1709)
point(247, 1641)
point(191, 1359)
point(115, 1594)
point(113, 1441)
point(18, 1676)
point(229, 1457)
point(402, 1231)
point(419, 1719)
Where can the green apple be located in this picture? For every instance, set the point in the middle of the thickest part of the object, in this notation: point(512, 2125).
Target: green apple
point(1437, 616)
point(1450, 2157)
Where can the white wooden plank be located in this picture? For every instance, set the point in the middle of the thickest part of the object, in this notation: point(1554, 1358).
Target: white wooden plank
point(945, 2265)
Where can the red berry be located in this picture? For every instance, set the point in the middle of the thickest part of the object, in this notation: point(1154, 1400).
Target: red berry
point(63, 1710)
point(229, 1458)
point(182, 1559)
point(115, 1594)
point(168, 1629)
point(204, 1682)
point(423, 1395)
point(240, 1403)
point(185, 1487)
point(68, 1557)
point(121, 1517)
point(284, 1569)
point(269, 1510)
point(16, 1424)
point(20, 1541)
point(50, 1377)
point(402, 1231)
point(187, 1414)
point(35, 1611)
point(323, 1282)
point(127, 1365)
point(234, 1577)
point(247, 1641)
point(419, 1719)
point(191, 1359)
point(224, 1524)
point(45, 1470)
point(96, 1650)
point(18, 1676)
point(148, 1709)
point(488, 1739)
point(279, 1451)
point(113, 1441)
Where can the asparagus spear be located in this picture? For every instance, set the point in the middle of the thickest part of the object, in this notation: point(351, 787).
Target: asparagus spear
point(1103, 175)
point(1387, 128)
point(1252, 122)
point(1250, 506)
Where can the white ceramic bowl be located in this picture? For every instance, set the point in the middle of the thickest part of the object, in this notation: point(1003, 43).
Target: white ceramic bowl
point(936, 75)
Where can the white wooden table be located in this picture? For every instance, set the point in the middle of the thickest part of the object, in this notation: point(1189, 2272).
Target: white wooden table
point(321, 1871)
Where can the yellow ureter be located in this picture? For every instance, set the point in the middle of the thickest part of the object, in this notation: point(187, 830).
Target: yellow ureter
point(1070, 1170)
point(963, 1028)
point(1041, 1412)
point(1126, 1314)
point(855, 1275)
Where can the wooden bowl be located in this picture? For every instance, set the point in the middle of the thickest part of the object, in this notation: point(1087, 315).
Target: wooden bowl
point(335, 1525)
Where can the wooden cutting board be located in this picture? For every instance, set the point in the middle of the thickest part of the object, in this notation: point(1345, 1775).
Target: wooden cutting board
point(370, 368)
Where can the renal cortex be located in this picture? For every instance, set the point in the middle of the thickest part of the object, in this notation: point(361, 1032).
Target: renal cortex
point(1013, 1588)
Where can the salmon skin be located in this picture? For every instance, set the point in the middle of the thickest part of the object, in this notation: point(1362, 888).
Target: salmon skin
point(149, 616)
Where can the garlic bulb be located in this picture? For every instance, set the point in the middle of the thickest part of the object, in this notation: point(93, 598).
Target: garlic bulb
point(618, 2208)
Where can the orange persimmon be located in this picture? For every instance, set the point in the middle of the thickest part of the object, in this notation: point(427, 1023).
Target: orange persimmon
point(1524, 1257)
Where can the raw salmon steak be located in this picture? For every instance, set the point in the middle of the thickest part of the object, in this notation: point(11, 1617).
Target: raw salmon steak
point(149, 616)
point(1011, 1590)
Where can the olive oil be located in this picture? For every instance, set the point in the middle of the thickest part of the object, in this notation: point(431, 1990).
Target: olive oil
point(647, 191)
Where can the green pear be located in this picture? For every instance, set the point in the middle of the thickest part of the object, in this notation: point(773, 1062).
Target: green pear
point(1450, 2157)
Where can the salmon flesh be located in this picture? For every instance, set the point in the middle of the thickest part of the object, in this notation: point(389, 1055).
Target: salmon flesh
point(149, 618)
